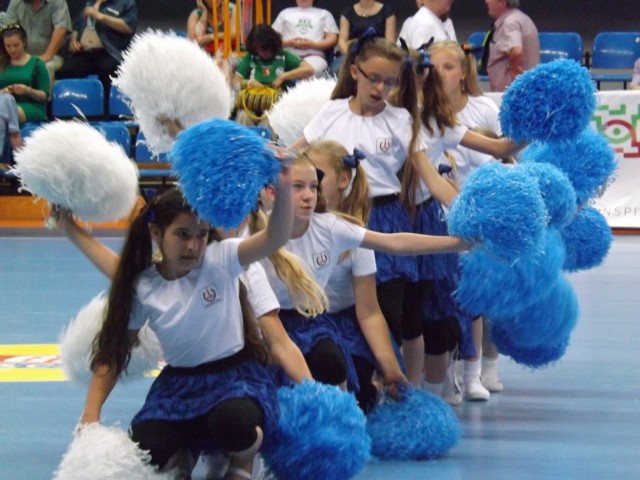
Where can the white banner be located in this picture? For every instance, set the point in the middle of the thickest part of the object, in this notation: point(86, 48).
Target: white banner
point(617, 117)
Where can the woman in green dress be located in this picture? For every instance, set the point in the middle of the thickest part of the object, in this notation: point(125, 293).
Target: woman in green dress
point(22, 75)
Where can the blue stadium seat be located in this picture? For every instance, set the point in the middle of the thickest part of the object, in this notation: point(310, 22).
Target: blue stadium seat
point(554, 45)
point(118, 105)
point(614, 51)
point(115, 132)
point(477, 39)
point(142, 156)
point(77, 97)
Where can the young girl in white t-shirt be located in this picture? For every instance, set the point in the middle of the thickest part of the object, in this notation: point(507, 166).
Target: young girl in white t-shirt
point(359, 116)
point(318, 241)
point(214, 393)
point(353, 303)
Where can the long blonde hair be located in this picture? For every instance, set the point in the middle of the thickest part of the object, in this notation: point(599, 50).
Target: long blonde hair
point(308, 298)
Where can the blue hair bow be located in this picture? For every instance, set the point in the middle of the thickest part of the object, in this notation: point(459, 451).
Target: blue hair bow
point(425, 60)
point(352, 161)
point(368, 34)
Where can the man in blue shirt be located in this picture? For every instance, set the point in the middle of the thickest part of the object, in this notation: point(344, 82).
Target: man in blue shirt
point(101, 33)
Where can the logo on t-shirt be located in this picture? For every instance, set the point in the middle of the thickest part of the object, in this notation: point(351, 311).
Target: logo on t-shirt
point(265, 70)
point(304, 25)
point(383, 145)
point(321, 260)
point(209, 294)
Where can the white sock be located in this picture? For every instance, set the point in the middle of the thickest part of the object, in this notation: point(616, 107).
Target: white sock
point(471, 371)
point(473, 388)
point(489, 374)
point(435, 388)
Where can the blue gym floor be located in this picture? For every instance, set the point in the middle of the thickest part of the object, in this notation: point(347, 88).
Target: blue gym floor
point(577, 419)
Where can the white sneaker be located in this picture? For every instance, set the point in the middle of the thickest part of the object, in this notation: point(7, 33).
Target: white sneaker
point(451, 392)
point(492, 383)
point(475, 391)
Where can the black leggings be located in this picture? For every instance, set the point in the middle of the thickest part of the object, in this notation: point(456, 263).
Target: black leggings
point(326, 362)
point(230, 426)
point(368, 393)
point(390, 299)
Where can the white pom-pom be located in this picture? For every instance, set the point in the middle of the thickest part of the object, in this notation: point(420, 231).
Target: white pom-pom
point(165, 75)
point(297, 107)
point(106, 453)
point(72, 164)
point(77, 338)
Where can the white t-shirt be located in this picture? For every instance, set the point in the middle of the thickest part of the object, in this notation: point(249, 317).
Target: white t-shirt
point(259, 292)
point(197, 318)
point(478, 112)
point(319, 250)
point(384, 139)
point(357, 263)
point(312, 23)
point(437, 143)
point(425, 25)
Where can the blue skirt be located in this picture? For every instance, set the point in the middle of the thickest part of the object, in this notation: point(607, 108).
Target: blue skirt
point(441, 271)
point(346, 323)
point(186, 393)
point(389, 216)
point(305, 332)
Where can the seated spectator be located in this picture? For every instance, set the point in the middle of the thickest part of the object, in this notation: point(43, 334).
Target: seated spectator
point(635, 80)
point(309, 32)
point(22, 75)
point(356, 19)
point(47, 23)
point(102, 32)
point(266, 64)
point(200, 25)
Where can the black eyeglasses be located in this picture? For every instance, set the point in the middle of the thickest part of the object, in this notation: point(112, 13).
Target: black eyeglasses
point(375, 80)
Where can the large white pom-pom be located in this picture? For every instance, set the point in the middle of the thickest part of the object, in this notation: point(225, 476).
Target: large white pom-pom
point(165, 75)
point(72, 164)
point(297, 107)
point(77, 338)
point(106, 453)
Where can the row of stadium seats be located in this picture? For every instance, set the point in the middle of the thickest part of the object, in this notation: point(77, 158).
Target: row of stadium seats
point(611, 51)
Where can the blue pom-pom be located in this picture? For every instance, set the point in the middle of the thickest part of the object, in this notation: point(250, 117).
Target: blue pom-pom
point(507, 288)
point(587, 240)
point(321, 434)
point(420, 426)
point(557, 192)
point(501, 207)
point(588, 161)
point(539, 334)
point(221, 166)
point(532, 357)
point(553, 101)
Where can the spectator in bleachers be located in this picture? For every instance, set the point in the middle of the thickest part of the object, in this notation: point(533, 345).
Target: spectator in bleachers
point(46, 23)
point(309, 32)
point(431, 23)
point(267, 65)
point(635, 80)
point(200, 21)
point(101, 33)
point(513, 45)
point(356, 19)
point(23, 75)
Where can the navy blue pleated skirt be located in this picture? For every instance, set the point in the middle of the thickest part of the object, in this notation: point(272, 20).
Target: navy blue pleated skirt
point(346, 323)
point(305, 332)
point(186, 393)
point(389, 216)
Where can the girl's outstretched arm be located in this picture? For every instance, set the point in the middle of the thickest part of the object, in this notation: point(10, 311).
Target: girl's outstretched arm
point(496, 147)
point(283, 351)
point(413, 243)
point(439, 187)
point(105, 259)
point(267, 241)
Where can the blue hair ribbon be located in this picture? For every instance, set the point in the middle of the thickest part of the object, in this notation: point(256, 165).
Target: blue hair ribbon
point(368, 34)
point(353, 160)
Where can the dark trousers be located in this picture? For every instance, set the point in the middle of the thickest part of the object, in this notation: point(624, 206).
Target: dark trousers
point(91, 62)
